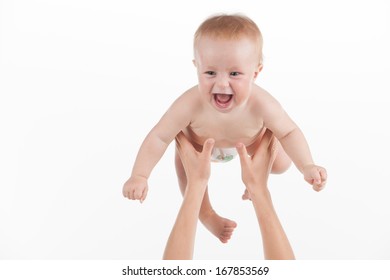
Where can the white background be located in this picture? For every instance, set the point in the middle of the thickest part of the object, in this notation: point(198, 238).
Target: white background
point(82, 83)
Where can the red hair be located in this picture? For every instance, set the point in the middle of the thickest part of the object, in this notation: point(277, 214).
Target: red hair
point(230, 27)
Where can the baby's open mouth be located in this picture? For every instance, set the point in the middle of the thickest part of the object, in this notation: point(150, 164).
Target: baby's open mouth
point(223, 100)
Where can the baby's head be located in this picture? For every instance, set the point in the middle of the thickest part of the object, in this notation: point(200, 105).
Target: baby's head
point(230, 28)
point(228, 58)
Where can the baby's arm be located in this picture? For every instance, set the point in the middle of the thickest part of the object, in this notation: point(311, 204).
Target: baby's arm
point(156, 142)
point(293, 142)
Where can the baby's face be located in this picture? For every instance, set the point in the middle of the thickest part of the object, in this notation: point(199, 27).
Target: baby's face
point(226, 71)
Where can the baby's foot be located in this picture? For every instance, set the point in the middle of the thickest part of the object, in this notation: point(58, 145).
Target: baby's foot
point(221, 227)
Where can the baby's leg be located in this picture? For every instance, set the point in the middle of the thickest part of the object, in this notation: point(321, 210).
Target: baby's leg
point(282, 161)
point(221, 227)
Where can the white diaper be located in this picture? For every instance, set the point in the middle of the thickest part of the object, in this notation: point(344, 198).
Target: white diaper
point(223, 154)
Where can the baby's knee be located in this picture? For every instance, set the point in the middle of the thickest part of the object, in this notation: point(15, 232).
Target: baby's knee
point(280, 167)
point(281, 164)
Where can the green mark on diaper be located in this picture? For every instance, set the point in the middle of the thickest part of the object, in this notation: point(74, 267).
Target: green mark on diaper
point(225, 158)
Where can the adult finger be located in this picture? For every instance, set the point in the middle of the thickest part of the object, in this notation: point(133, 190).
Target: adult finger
point(243, 154)
point(182, 141)
point(208, 147)
point(273, 148)
point(265, 142)
point(269, 139)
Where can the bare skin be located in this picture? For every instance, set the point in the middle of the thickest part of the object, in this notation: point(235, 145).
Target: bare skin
point(229, 107)
point(222, 227)
point(255, 170)
point(181, 241)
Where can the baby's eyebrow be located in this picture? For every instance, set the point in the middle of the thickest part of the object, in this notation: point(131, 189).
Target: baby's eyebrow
point(235, 69)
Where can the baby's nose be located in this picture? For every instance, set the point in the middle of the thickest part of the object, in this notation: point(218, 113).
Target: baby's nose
point(222, 82)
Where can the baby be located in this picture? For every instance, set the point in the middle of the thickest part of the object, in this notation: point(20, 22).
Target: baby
point(229, 107)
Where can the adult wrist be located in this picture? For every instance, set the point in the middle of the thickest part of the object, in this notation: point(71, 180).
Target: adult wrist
point(258, 190)
point(195, 189)
point(197, 182)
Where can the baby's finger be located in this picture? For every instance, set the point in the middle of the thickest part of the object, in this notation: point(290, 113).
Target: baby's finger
point(309, 180)
point(323, 174)
point(143, 197)
point(316, 177)
point(317, 188)
point(322, 184)
point(138, 193)
point(319, 184)
point(130, 194)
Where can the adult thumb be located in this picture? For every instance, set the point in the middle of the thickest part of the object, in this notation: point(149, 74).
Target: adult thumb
point(242, 152)
point(208, 146)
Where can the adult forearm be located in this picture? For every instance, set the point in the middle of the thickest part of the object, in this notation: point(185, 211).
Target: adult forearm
point(181, 241)
point(275, 241)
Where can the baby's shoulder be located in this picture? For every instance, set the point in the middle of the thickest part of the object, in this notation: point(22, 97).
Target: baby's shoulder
point(260, 98)
point(265, 106)
point(189, 100)
point(191, 95)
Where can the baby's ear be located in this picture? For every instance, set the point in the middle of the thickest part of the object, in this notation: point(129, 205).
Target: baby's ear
point(258, 70)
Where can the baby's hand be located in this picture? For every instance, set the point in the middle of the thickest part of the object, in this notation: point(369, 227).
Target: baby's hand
point(136, 188)
point(315, 176)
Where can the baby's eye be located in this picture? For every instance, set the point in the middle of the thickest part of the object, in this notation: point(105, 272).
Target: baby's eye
point(234, 74)
point(211, 73)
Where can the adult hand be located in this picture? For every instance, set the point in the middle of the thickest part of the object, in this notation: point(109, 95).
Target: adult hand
point(196, 164)
point(180, 244)
point(255, 169)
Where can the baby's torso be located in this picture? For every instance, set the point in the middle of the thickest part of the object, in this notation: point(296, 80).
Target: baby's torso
point(227, 130)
